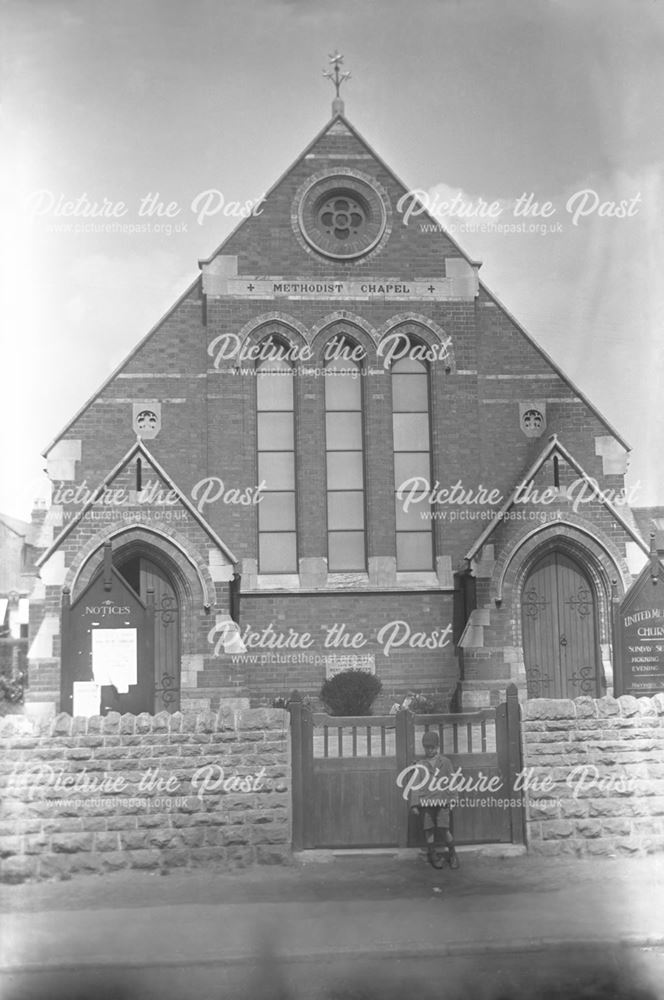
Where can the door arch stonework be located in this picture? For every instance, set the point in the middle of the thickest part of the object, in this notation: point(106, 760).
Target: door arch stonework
point(192, 585)
point(189, 568)
point(599, 558)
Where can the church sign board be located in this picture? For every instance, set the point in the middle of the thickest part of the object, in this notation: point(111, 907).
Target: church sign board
point(639, 635)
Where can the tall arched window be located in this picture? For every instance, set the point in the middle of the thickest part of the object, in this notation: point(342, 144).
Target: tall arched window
point(346, 550)
point(277, 539)
point(412, 463)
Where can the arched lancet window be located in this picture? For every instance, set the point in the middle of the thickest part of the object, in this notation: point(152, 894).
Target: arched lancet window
point(344, 436)
point(277, 539)
point(411, 428)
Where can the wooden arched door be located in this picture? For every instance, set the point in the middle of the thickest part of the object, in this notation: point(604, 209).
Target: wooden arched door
point(144, 576)
point(559, 624)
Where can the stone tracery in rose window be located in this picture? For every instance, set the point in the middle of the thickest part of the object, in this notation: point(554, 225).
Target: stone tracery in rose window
point(342, 216)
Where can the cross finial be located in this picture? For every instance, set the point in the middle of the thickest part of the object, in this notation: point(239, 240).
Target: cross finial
point(337, 78)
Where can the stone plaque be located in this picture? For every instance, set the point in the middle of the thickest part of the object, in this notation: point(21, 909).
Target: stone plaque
point(532, 417)
point(352, 661)
point(147, 419)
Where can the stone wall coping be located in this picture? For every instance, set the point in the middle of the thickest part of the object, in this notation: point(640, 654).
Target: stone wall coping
point(584, 708)
point(225, 720)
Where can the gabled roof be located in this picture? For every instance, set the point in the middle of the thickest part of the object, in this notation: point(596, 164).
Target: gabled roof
point(206, 260)
point(18, 527)
point(319, 135)
point(652, 571)
point(336, 119)
point(137, 449)
point(554, 447)
point(26, 530)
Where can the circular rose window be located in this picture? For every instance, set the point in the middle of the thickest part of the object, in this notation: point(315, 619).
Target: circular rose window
point(341, 216)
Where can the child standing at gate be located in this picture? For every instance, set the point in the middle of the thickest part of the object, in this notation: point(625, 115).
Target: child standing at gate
point(434, 808)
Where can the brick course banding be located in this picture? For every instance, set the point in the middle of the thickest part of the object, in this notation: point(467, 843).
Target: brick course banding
point(489, 371)
point(119, 816)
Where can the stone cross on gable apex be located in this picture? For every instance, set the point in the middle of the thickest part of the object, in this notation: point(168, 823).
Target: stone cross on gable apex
point(337, 78)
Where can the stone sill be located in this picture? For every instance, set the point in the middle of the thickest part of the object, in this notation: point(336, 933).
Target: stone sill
point(337, 583)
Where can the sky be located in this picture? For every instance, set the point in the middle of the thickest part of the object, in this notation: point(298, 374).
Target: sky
point(140, 101)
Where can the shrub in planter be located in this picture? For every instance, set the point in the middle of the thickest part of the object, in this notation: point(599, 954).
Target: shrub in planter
point(351, 692)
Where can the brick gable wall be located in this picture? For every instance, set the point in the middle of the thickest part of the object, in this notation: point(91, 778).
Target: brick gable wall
point(209, 423)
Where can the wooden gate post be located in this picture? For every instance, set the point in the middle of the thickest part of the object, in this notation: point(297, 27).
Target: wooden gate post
point(403, 730)
point(302, 763)
point(295, 710)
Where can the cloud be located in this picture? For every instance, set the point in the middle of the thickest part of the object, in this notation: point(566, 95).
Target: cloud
point(89, 313)
point(591, 295)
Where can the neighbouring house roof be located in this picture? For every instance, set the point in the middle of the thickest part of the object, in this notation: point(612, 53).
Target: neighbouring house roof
point(25, 529)
point(18, 555)
point(650, 520)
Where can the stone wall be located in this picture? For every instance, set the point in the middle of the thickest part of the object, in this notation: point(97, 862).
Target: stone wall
point(599, 768)
point(150, 792)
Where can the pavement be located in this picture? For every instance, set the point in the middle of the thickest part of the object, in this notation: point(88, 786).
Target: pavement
point(327, 908)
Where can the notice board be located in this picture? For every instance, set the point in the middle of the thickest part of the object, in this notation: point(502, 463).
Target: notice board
point(639, 635)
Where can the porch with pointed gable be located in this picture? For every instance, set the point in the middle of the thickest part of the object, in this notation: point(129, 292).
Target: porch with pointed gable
point(141, 511)
point(554, 505)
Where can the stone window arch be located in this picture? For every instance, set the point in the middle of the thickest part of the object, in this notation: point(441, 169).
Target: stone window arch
point(435, 345)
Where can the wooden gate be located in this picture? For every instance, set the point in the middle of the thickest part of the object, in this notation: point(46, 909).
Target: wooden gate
point(559, 626)
point(345, 771)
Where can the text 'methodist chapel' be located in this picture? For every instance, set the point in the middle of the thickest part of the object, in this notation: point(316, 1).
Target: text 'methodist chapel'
point(329, 352)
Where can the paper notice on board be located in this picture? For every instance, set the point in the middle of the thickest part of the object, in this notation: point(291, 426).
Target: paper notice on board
point(114, 657)
point(87, 698)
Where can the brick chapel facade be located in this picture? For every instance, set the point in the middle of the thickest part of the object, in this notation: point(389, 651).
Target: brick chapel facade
point(267, 471)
